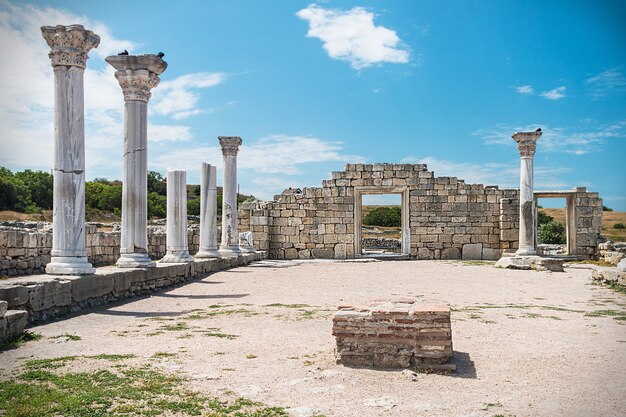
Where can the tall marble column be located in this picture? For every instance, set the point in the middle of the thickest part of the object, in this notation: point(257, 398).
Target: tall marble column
point(69, 47)
point(208, 213)
point(137, 75)
point(230, 237)
point(176, 239)
point(526, 144)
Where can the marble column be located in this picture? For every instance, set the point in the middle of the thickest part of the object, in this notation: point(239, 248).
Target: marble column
point(229, 246)
point(69, 47)
point(137, 75)
point(526, 144)
point(176, 239)
point(208, 213)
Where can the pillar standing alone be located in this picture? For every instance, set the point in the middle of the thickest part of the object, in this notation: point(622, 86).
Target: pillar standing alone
point(526, 144)
point(137, 75)
point(69, 47)
point(176, 239)
point(208, 213)
point(229, 245)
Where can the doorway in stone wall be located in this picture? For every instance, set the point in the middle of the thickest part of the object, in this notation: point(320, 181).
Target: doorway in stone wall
point(381, 222)
point(555, 231)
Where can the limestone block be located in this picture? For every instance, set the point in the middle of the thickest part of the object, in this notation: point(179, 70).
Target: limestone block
point(472, 251)
point(48, 294)
point(621, 266)
point(424, 253)
point(3, 328)
point(451, 253)
point(90, 286)
point(491, 254)
point(14, 295)
point(4, 306)
point(16, 323)
point(340, 251)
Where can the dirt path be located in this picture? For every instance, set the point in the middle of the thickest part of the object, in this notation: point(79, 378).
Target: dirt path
point(526, 343)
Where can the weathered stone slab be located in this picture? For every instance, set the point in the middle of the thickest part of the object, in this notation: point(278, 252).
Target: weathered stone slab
point(4, 306)
point(48, 294)
point(16, 321)
point(473, 251)
point(14, 295)
point(90, 286)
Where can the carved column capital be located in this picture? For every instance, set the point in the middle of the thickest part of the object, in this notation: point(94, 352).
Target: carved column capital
point(136, 84)
point(526, 142)
point(230, 145)
point(69, 45)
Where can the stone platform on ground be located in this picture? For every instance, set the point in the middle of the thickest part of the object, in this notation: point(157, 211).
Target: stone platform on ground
point(12, 322)
point(404, 333)
point(531, 262)
point(49, 296)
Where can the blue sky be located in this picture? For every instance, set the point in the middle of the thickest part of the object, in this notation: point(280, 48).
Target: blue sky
point(312, 86)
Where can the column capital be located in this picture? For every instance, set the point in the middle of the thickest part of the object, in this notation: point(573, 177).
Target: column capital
point(69, 44)
point(230, 144)
point(527, 142)
point(136, 84)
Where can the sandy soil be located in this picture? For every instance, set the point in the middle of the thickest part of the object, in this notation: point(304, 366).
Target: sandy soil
point(534, 352)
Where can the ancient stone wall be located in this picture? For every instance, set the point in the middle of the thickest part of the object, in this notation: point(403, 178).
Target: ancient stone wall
point(444, 218)
point(25, 250)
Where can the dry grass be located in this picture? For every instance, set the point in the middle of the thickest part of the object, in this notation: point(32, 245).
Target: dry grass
point(7, 215)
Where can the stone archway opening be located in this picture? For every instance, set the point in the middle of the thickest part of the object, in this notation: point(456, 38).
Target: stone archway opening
point(377, 240)
point(561, 208)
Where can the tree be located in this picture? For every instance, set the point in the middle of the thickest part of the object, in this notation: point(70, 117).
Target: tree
point(39, 184)
point(14, 194)
point(552, 232)
point(384, 216)
point(156, 183)
point(543, 218)
point(157, 205)
point(193, 207)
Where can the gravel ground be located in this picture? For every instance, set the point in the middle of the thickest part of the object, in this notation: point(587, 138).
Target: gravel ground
point(524, 342)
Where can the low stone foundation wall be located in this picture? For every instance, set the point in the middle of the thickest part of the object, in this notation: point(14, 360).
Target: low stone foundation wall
point(395, 334)
point(611, 252)
point(48, 296)
point(381, 243)
point(12, 322)
point(25, 246)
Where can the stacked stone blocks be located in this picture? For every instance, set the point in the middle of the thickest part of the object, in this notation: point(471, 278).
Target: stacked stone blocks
point(403, 333)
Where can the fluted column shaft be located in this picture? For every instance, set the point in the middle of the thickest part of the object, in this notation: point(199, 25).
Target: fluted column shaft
point(526, 143)
point(69, 47)
point(176, 239)
point(208, 213)
point(229, 245)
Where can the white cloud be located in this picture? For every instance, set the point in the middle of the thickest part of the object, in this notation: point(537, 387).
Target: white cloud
point(554, 94)
point(557, 139)
point(608, 82)
point(495, 173)
point(352, 36)
point(274, 154)
point(525, 89)
point(27, 100)
point(177, 99)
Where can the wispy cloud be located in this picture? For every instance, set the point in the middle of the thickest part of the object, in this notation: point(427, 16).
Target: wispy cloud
point(274, 154)
point(611, 81)
point(577, 141)
point(352, 36)
point(555, 94)
point(177, 98)
point(502, 174)
point(525, 89)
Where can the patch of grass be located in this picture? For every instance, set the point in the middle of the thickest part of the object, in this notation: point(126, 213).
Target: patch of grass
point(516, 306)
point(589, 262)
point(157, 333)
point(251, 356)
point(287, 305)
point(68, 336)
point(3, 277)
point(126, 391)
point(490, 405)
point(617, 287)
point(229, 369)
point(476, 262)
point(25, 337)
point(178, 327)
point(616, 314)
point(164, 355)
point(221, 335)
point(308, 363)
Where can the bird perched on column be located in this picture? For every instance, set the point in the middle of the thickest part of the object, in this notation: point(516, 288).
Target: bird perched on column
point(538, 129)
point(160, 54)
point(125, 52)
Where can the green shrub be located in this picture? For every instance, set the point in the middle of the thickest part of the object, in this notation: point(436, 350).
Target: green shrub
point(543, 218)
point(157, 205)
point(552, 232)
point(605, 208)
point(619, 226)
point(384, 216)
point(193, 207)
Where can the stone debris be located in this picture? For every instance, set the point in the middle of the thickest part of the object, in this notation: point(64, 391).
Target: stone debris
point(303, 411)
point(12, 322)
point(395, 334)
point(531, 262)
point(386, 403)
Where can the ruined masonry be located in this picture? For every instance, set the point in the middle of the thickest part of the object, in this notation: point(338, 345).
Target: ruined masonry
point(443, 217)
point(395, 334)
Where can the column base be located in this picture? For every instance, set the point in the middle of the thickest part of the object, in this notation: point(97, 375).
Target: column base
point(210, 253)
point(177, 257)
point(248, 249)
point(69, 265)
point(135, 260)
point(230, 251)
point(526, 252)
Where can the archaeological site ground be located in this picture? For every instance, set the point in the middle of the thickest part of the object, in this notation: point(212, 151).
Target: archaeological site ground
point(462, 299)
